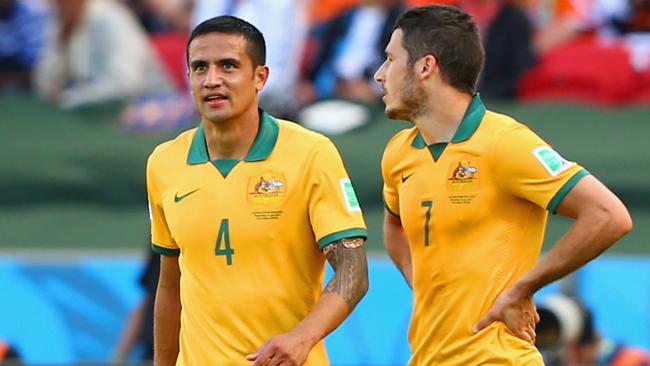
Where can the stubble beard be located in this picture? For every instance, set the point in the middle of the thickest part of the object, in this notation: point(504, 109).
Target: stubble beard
point(413, 100)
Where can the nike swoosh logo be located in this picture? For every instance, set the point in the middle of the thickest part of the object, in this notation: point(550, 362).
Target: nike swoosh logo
point(407, 177)
point(178, 198)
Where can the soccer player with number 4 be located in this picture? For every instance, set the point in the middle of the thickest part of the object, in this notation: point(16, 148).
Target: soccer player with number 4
point(467, 194)
point(244, 211)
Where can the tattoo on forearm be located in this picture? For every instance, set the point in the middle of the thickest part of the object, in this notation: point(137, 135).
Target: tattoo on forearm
point(348, 258)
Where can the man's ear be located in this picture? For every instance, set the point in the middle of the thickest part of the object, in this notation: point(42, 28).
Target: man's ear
point(261, 76)
point(427, 66)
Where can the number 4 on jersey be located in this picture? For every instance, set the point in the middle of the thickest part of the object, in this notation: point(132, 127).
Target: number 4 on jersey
point(224, 239)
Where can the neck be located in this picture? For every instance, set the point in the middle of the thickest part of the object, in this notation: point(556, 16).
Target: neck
point(232, 139)
point(445, 111)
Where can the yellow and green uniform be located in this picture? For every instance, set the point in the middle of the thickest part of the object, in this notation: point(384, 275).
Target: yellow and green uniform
point(249, 235)
point(474, 211)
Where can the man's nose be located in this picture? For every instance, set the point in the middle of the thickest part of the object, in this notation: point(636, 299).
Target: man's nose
point(379, 74)
point(213, 78)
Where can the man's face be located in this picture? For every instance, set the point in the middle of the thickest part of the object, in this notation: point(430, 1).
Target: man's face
point(222, 77)
point(403, 95)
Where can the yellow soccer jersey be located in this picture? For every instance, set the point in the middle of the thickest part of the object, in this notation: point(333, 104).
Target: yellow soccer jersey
point(248, 235)
point(474, 212)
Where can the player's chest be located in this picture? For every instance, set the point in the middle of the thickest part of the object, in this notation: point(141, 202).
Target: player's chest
point(456, 189)
point(251, 195)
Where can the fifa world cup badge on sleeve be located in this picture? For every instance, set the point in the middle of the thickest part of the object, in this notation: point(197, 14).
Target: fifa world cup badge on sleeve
point(351, 201)
point(553, 162)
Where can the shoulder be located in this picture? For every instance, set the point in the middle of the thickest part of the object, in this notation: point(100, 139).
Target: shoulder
point(305, 147)
point(500, 122)
point(300, 137)
point(399, 144)
point(510, 140)
point(501, 127)
point(174, 150)
point(500, 135)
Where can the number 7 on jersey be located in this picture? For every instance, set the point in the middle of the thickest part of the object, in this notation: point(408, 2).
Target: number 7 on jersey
point(428, 205)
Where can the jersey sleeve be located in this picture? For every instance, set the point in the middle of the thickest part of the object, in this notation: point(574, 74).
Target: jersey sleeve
point(529, 168)
point(334, 210)
point(390, 193)
point(161, 239)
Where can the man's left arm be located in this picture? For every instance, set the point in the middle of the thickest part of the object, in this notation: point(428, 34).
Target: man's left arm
point(600, 220)
point(342, 293)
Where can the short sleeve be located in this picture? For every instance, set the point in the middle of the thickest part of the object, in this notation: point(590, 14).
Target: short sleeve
point(334, 210)
point(390, 193)
point(161, 239)
point(529, 168)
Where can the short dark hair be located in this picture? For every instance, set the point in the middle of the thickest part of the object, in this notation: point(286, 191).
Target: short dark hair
point(451, 36)
point(232, 25)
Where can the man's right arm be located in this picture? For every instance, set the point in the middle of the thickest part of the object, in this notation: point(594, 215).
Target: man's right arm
point(397, 246)
point(167, 312)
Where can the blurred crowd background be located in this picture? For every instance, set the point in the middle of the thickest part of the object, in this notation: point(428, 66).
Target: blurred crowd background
point(89, 87)
point(77, 53)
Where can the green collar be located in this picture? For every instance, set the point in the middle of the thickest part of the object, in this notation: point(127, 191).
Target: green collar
point(469, 124)
point(264, 142)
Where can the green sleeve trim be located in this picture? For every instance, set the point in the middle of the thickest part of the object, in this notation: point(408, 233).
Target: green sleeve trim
point(349, 233)
point(389, 210)
point(165, 251)
point(559, 196)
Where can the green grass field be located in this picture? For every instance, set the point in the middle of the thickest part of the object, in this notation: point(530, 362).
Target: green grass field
point(76, 180)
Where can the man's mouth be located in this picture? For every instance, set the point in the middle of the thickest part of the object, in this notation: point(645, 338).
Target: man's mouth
point(215, 99)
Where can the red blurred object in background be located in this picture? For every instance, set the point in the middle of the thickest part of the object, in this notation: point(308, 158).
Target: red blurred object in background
point(170, 47)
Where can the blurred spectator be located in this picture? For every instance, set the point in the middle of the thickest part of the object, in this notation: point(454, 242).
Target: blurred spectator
point(507, 36)
point(21, 41)
point(346, 52)
point(639, 19)
point(97, 52)
point(622, 16)
point(556, 22)
point(139, 327)
point(567, 337)
point(8, 354)
point(322, 10)
point(162, 15)
point(284, 25)
point(411, 3)
point(173, 112)
point(595, 35)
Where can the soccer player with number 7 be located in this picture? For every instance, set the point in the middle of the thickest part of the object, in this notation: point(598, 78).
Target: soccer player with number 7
point(467, 194)
point(245, 209)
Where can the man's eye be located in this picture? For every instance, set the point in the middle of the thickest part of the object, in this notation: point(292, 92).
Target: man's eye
point(200, 68)
point(228, 66)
